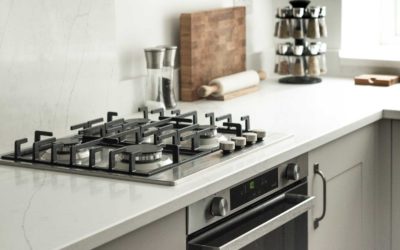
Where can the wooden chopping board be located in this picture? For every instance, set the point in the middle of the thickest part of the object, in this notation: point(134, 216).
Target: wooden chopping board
point(376, 80)
point(212, 44)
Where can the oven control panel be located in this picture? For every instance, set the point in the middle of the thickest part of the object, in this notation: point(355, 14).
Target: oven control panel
point(253, 188)
point(237, 197)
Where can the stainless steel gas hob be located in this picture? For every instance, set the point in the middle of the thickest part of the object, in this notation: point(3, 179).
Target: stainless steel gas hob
point(161, 151)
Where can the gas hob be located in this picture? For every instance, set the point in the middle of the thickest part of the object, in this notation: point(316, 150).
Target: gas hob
point(163, 151)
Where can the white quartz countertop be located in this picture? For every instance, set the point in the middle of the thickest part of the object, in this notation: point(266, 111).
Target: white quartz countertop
point(48, 210)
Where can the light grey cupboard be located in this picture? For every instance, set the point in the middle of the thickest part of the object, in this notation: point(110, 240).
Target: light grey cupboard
point(168, 233)
point(357, 172)
point(396, 185)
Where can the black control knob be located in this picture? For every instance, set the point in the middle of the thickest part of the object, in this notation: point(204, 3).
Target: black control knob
point(292, 172)
point(219, 206)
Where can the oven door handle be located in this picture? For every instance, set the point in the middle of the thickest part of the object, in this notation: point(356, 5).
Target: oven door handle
point(303, 204)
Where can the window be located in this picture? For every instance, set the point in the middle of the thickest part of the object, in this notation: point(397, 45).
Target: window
point(371, 30)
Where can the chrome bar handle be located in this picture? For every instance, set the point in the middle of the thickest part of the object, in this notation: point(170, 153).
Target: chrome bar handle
point(317, 171)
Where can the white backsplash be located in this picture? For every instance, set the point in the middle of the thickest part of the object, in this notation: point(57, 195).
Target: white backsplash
point(57, 66)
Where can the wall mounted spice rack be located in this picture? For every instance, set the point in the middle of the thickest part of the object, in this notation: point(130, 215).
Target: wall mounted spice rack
point(303, 60)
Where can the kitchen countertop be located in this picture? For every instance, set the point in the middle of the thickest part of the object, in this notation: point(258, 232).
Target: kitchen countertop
point(47, 210)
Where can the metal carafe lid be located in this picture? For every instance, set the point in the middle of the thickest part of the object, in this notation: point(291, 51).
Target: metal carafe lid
point(154, 57)
point(170, 54)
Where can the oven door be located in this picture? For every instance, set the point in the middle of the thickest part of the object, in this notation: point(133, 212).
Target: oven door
point(276, 224)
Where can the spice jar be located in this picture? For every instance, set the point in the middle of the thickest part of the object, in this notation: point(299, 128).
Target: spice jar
point(154, 97)
point(297, 28)
point(297, 66)
point(313, 66)
point(322, 22)
point(284, 65)
point(322, 58)
point(313, 26)
point(283, 25)
point(284, 28)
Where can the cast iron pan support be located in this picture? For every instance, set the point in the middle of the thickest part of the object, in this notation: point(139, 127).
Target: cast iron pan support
point(122, 135)
point(212, 118)
point(87, 124)
point(174, 147)
point(184, 129)
point(54, 149)
point(39, 145)
point(159, 111)
point(17, 147)
point(156, 133)
point(110, 115)
point(145, 111)
point(237, 126)
point(246, 120)
point(39, 134)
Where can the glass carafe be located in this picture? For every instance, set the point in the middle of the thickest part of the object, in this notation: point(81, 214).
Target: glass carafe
point(154, 97)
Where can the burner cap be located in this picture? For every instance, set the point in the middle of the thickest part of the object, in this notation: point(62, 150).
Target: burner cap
point(210, 134)
point(68, 143)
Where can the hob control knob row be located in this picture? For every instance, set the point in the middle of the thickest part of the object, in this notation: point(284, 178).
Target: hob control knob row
point(239, 142)
point(219, 206)
point(293, 172)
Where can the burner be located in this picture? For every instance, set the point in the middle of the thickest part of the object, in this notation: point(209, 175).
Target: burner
point(149, 153)
point(63, 154)
point(210, 134)
point(210, 143)
point(67, 144)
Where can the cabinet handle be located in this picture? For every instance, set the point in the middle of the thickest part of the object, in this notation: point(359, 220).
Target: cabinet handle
point(317, 171)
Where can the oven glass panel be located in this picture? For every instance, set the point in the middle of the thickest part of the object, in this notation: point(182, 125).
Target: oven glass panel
point(291, 236)
point(253, 188)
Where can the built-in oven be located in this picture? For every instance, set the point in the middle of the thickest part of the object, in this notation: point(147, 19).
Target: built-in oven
point(268, 211)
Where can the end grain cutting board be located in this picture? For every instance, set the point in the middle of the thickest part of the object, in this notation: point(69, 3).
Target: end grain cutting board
point(212, 44)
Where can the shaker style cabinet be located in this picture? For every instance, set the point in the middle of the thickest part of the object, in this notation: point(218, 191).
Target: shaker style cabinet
point(168, 233)
point(357, 178)
point(396, 185)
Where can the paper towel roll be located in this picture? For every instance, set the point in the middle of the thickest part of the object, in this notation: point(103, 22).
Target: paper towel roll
point(231, 83)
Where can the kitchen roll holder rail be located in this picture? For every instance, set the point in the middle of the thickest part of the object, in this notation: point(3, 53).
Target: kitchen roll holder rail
point(304, 60)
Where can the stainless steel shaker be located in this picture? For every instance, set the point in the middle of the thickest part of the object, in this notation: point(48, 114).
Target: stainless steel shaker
point(168, 76)
point(154, 97)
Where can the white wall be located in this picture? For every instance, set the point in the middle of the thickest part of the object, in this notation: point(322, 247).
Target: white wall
point(156, 22)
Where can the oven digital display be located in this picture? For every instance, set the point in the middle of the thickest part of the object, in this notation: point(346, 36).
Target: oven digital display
point(253, 188)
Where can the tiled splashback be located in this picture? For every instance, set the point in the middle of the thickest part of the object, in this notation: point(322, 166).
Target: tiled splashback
point(65, 61)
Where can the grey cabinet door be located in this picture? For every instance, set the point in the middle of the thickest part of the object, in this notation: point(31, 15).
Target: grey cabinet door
point(342, 227)
point(396, 186)
point(168, 233)
point(357, 201)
